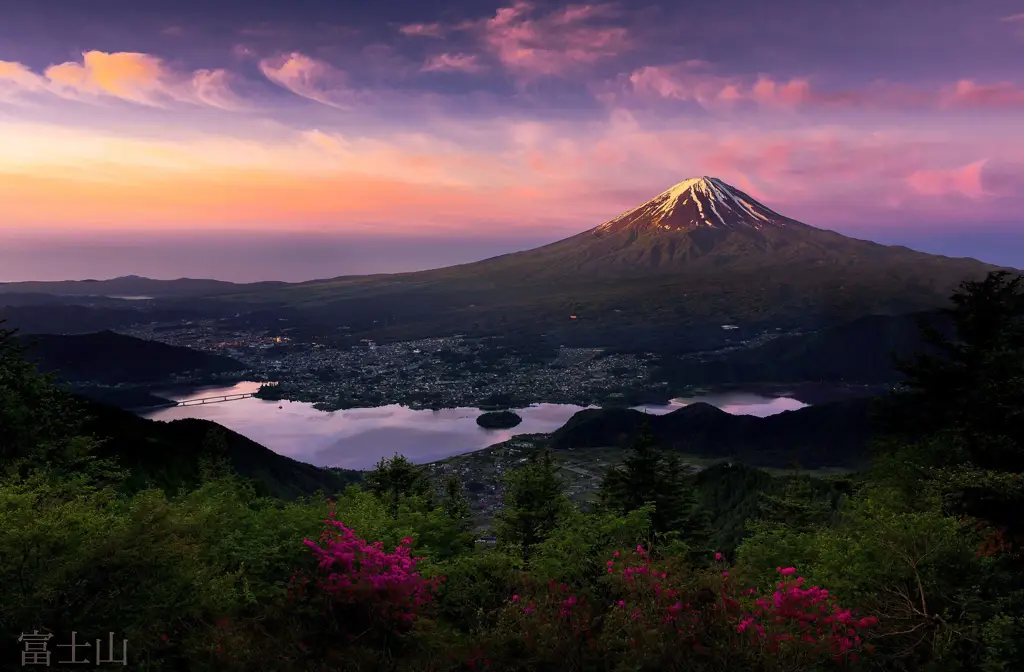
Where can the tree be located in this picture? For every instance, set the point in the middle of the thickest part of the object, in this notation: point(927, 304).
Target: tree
point(533, 503)
point(647, 477)
point(798, 507)
point(634, 483)
point(396, 479)
point(973, 386)
point(40, 423)
point(958, 427)
point(454, 502)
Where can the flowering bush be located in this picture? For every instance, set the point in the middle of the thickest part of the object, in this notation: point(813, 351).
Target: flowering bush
point(364, 590)
point(807, 617)
point(664, 617)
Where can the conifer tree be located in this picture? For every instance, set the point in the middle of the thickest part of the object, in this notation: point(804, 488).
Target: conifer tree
point(648, 476)
point(958, 426)
point(454, 503)
point(534, 503)
point(395, 479)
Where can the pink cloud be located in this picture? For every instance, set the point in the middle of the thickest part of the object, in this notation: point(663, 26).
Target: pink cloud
point(309, 78)
point(134, 77)
point(555, 43)
point(968, 94)
point(695, 81)
point(423, 30)
point(692, 81)
point(16, 78)
point(964, 181)
point(453, 63)
point(1013, 17)
point(531, 42)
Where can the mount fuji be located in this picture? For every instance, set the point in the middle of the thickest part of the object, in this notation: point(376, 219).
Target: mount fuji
point(699, 255)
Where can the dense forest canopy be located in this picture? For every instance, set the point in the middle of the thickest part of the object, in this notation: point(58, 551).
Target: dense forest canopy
point(912, 564)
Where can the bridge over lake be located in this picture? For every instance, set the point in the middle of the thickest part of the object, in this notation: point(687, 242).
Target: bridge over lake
point(220, 398)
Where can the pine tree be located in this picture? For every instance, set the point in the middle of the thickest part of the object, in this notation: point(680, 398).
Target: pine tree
point(635, 482)
point(798, 507)
point(648, 476)
point(973, 386)
point(958, 427)
point(454, 503)
point(396, 479)
point(534, 502)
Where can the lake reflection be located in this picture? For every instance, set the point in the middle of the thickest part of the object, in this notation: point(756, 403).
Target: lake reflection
point(357, 438)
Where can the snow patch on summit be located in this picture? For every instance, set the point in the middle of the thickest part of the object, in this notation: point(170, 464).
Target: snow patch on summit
point(698, 202)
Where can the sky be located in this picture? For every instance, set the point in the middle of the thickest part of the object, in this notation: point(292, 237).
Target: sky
point(249, 140)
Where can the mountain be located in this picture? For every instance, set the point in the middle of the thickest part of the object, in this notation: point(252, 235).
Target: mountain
point(168, 454)
point(697, 256)
point(835, 434)
point(663, 276)
point(860, 352)
point(130, 286)
point(109, 358)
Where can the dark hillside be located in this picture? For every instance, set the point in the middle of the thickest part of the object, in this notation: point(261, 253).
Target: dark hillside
point(109, 358)
point(859, 351)
point(834, 434)
point(167, 454)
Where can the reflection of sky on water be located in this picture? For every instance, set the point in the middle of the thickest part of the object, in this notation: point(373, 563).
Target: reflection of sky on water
point(357, 438)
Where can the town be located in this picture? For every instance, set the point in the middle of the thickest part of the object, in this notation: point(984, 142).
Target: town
point(432, 373)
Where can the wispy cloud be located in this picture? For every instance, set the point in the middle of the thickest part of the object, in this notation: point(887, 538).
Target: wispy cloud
point(530, 40)
point(967, 93)
point(423, 30)
point(568, 175)
point(134, 77)
point(309, 78)
point(1013, 17)
point(454, 63)
point(963, 181)
point(697, 82)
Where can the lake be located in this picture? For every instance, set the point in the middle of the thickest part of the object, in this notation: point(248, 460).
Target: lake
point(357, 438)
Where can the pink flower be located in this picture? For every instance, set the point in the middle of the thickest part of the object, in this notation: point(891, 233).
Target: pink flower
point(515, 598)
point(718, 556)
point(786, 571)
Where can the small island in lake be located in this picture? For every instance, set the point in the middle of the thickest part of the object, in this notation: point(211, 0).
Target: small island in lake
point(498, 420)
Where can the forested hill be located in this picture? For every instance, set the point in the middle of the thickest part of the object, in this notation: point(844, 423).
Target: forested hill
point(860, 351)
point(914, 564)
point(110, 358)
point(169, 455)
point(835, 434)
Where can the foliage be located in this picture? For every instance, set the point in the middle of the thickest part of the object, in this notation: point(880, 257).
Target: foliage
point(397, 478)
point(533, 504)
point(912, 565)
point(651, 477)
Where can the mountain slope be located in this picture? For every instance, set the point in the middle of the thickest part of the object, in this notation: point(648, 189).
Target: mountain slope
point(110, 358)
point(699, 255)
point(858, 352)
point(131, 286)
point(168, 454)
point(663, 275)
point(833, 434)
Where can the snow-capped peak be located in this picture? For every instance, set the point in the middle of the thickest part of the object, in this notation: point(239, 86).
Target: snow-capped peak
point(698, 202)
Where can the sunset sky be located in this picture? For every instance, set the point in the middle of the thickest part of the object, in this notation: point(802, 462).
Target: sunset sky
point(251, 139)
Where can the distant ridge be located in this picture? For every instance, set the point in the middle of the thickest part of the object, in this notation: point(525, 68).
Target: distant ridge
point(829, 435)
point(111, 358)
point(665, 274)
